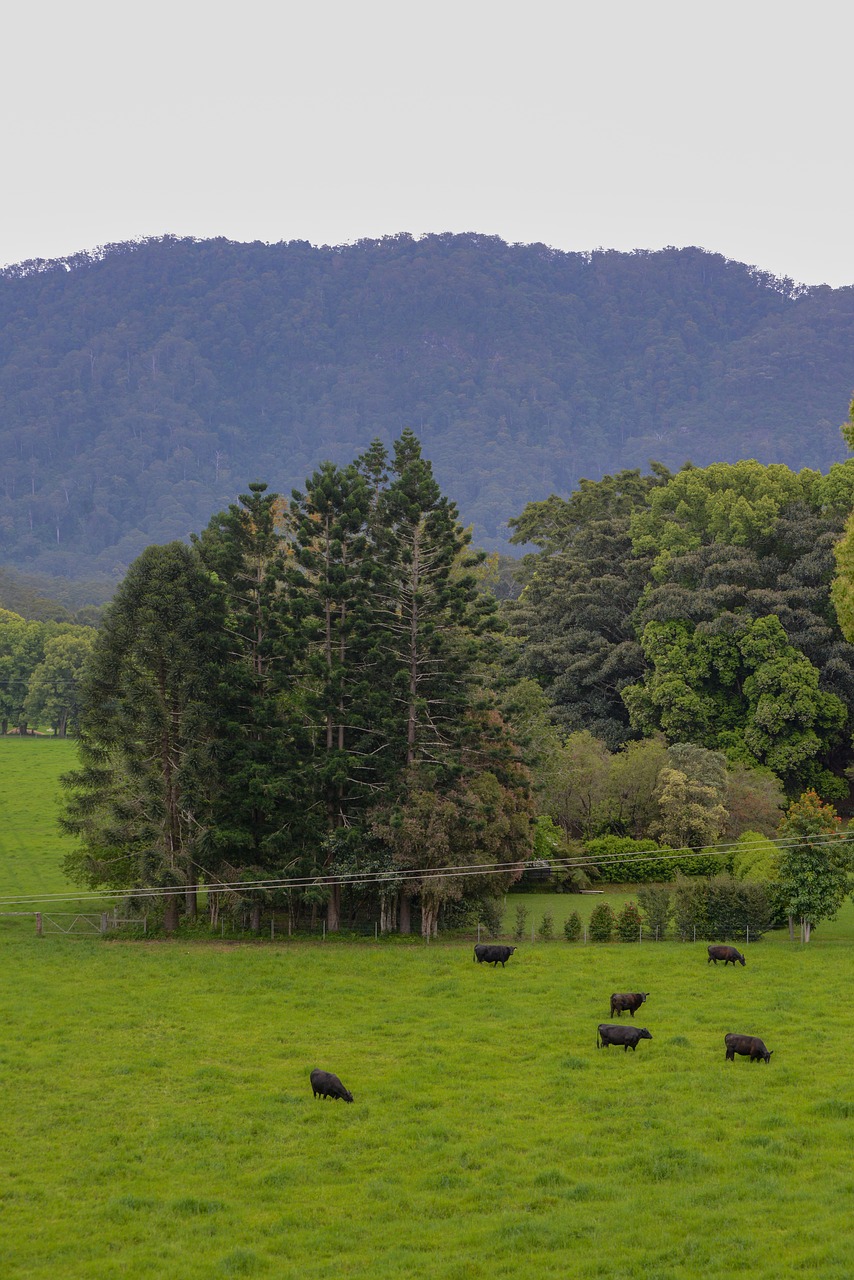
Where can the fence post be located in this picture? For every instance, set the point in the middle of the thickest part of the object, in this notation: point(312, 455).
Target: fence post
point(748, 934)
point(532, 931)
point(103, 922)
point(272, 927)
point(478, 931)
point(376, 931)
point(145, 923)
point(585, 933)
point(39, 928)
point(695, 933)
point(324, 931)
point(640, 933)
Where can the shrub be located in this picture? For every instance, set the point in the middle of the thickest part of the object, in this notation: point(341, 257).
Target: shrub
point(572, 927)
point(616, 866)
point(601, 925)
point(703, 863)
point(629, 923)
point(547, 927)
point(521, 922)
point(723, 909)
point(655, 903)
point(755, 857)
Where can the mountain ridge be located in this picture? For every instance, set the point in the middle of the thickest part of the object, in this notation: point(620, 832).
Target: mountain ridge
point(145, 384)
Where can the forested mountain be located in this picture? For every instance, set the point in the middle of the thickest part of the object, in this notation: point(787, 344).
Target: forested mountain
point(143, 385)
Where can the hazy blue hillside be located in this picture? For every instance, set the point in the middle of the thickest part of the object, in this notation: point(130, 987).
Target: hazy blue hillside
point(143, 386)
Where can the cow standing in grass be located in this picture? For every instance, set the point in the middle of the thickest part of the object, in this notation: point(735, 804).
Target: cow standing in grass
point(729, 955)
point(623, 1000)
point(489, 953)
point(614, 1033)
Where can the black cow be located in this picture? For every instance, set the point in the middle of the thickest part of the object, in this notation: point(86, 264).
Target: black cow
point(615, 1033)
point(326, 1085)
point(747, 1047)
point(491, 954)
point(729, 955)
point(623, 1000)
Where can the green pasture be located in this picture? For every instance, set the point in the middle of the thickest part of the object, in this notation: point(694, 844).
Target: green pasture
point(31, 845)
point(158, 1120)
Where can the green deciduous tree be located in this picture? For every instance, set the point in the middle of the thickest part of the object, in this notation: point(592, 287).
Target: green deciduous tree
point(742, 689)
point(691, 811)
point(54, 690)
point(816, 872)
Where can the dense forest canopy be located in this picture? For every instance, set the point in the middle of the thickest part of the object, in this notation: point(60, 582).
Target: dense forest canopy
point(142, 384)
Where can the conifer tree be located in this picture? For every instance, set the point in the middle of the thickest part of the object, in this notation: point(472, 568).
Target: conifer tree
point(141, 802)
point(261, 813)
point(330, 578)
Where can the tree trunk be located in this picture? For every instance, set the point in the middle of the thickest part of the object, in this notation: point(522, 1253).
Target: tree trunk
point(333, 909)
point(213, 908)
point(405, 925)
point(388, 915)
point(429, 918)
point(170, 915)
point(791, 928)
point(255, 917)
point(62, 727)
point(807, 928)
point(191, 901)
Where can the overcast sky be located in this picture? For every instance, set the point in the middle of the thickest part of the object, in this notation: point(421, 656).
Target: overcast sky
point(621, 124)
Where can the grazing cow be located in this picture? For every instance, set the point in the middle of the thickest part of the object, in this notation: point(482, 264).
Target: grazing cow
point(623, 1000)
point(747, 1047)
point(615, 1033)
point(326, 1085)
point(729, 955)
point(491, 954)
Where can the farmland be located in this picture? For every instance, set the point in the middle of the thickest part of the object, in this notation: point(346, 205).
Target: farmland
point(158, 1120)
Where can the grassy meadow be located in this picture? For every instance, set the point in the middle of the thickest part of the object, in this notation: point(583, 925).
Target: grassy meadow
point(31, 845)
point(157, 1119)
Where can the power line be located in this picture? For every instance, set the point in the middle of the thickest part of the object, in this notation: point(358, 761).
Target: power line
point(408, 875)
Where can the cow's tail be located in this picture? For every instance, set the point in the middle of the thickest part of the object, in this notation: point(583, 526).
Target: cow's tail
point(598, 1046)
point(474, 955)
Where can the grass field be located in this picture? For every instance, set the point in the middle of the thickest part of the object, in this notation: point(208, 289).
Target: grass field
point(31, 845)
point(157, 1119)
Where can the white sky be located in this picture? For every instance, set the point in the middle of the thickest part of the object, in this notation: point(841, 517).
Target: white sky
point(623, 125)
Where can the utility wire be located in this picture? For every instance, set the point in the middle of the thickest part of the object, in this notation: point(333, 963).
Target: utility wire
point(404, 875)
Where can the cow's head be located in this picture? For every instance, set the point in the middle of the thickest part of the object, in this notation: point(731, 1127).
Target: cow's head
point(741, 959)
point(644, 1034)
point(643, 995)
point(766, 1057)
point(510, 950)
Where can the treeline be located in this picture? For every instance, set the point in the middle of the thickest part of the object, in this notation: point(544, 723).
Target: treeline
point(305, 691)
point(323, 688)
point(41, 673)
point(142, 382)
point(44, 599)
